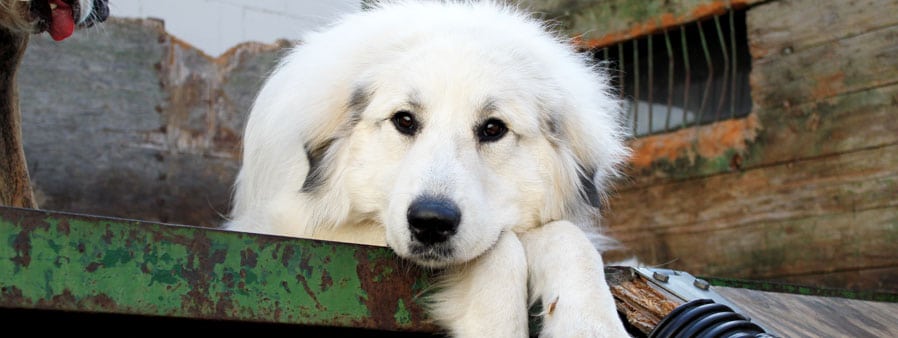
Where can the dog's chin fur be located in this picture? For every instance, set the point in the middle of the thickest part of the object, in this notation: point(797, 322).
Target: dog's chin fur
point(324, 159)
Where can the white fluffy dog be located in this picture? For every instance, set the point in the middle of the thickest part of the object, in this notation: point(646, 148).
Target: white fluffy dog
point(464, 136)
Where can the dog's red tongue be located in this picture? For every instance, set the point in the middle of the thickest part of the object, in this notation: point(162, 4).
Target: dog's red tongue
point(62, 23)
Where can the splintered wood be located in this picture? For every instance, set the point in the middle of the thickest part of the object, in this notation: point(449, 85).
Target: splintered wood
point(643, 304)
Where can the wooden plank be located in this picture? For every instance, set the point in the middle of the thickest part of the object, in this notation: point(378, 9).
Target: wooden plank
point(790, 315)
point(794, 25)
point(875, 278)
point(601, 23)
point(849, 65)
point(821, 215)
point(842, 183)
point(834, 125)
point(770, 250)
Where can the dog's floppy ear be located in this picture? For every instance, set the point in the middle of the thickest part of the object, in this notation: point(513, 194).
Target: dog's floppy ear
point(316, 175)
point(592, 133)
point(318, 153)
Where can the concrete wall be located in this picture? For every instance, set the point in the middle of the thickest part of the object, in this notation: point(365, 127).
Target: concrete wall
point(127, 121)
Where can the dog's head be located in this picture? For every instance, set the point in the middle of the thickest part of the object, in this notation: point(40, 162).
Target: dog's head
point(446, 125)
point(57, 17)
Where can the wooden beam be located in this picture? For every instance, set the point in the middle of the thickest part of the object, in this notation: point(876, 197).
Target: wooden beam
point(791, 315)
point(852, 64)
point(602, 23)
point(818, 215)
point(783, 27)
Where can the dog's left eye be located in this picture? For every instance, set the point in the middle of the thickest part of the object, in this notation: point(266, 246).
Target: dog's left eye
point(405, 122)
point(491, 130)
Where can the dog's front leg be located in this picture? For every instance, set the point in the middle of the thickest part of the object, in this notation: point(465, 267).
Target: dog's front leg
point(486, 297)
point(567, 274)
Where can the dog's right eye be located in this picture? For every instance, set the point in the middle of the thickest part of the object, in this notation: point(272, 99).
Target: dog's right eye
point(405, 122)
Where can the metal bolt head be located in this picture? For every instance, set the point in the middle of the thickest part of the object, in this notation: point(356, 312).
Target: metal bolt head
point(662, 277)
point(701, 284)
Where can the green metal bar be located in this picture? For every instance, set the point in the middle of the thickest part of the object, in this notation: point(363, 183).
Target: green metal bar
point(651, 62)
point(58, 261)
point(710, 64)
point(636, 87)
point(620, 70)
point(685, 48)
point(670, 79)
point(778, 287)
point(726, 65)
point(733, 95)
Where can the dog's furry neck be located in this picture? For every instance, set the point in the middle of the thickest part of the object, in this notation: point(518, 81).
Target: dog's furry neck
point(15, 188)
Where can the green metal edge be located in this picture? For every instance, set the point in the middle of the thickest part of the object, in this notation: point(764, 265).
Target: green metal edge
point(62, 261)
point(778, 287)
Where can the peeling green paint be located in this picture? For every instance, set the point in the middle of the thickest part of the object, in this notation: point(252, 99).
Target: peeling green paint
point(93, 264)
point(402, 315)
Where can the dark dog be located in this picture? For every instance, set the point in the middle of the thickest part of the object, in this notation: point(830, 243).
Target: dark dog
point(19, 19)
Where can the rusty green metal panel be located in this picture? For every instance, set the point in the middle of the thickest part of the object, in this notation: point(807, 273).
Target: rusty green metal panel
point(58, 261)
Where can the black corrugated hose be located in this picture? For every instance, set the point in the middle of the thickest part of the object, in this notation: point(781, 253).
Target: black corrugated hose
point(703, 318)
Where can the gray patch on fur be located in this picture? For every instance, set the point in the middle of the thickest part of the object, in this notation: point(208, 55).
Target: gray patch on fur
point(358, 101)
point(315, 153)
point(552, 125)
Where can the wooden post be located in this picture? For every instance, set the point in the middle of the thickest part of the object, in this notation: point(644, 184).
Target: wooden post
point(15, 185)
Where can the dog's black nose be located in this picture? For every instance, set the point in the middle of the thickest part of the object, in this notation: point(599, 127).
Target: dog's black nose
point(433, 219)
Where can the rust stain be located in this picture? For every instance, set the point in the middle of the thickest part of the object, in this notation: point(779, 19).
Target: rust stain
point(12, 295)
point(382, 299)
point(829, 85)
point(22, 243)
point(660, 23)
point(236, 54)
point(707, 141)
point(670, 146)
point(326, 280)
point(306, 270)
point(248, 258)
point(198, 95)
point(731, 134)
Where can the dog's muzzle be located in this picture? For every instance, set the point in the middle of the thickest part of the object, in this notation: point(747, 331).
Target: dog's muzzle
point(433, 220)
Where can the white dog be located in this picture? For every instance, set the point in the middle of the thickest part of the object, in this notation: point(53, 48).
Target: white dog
point(465, 137)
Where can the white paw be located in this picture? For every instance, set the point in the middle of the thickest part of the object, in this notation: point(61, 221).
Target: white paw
point(570, 318)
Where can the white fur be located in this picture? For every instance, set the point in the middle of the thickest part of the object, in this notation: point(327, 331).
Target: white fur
point(453, 65)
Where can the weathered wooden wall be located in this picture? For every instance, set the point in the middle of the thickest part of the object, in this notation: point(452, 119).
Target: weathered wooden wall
point(126, 121)
point(805, 189)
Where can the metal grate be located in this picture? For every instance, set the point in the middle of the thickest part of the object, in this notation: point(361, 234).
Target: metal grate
point(689, 75)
